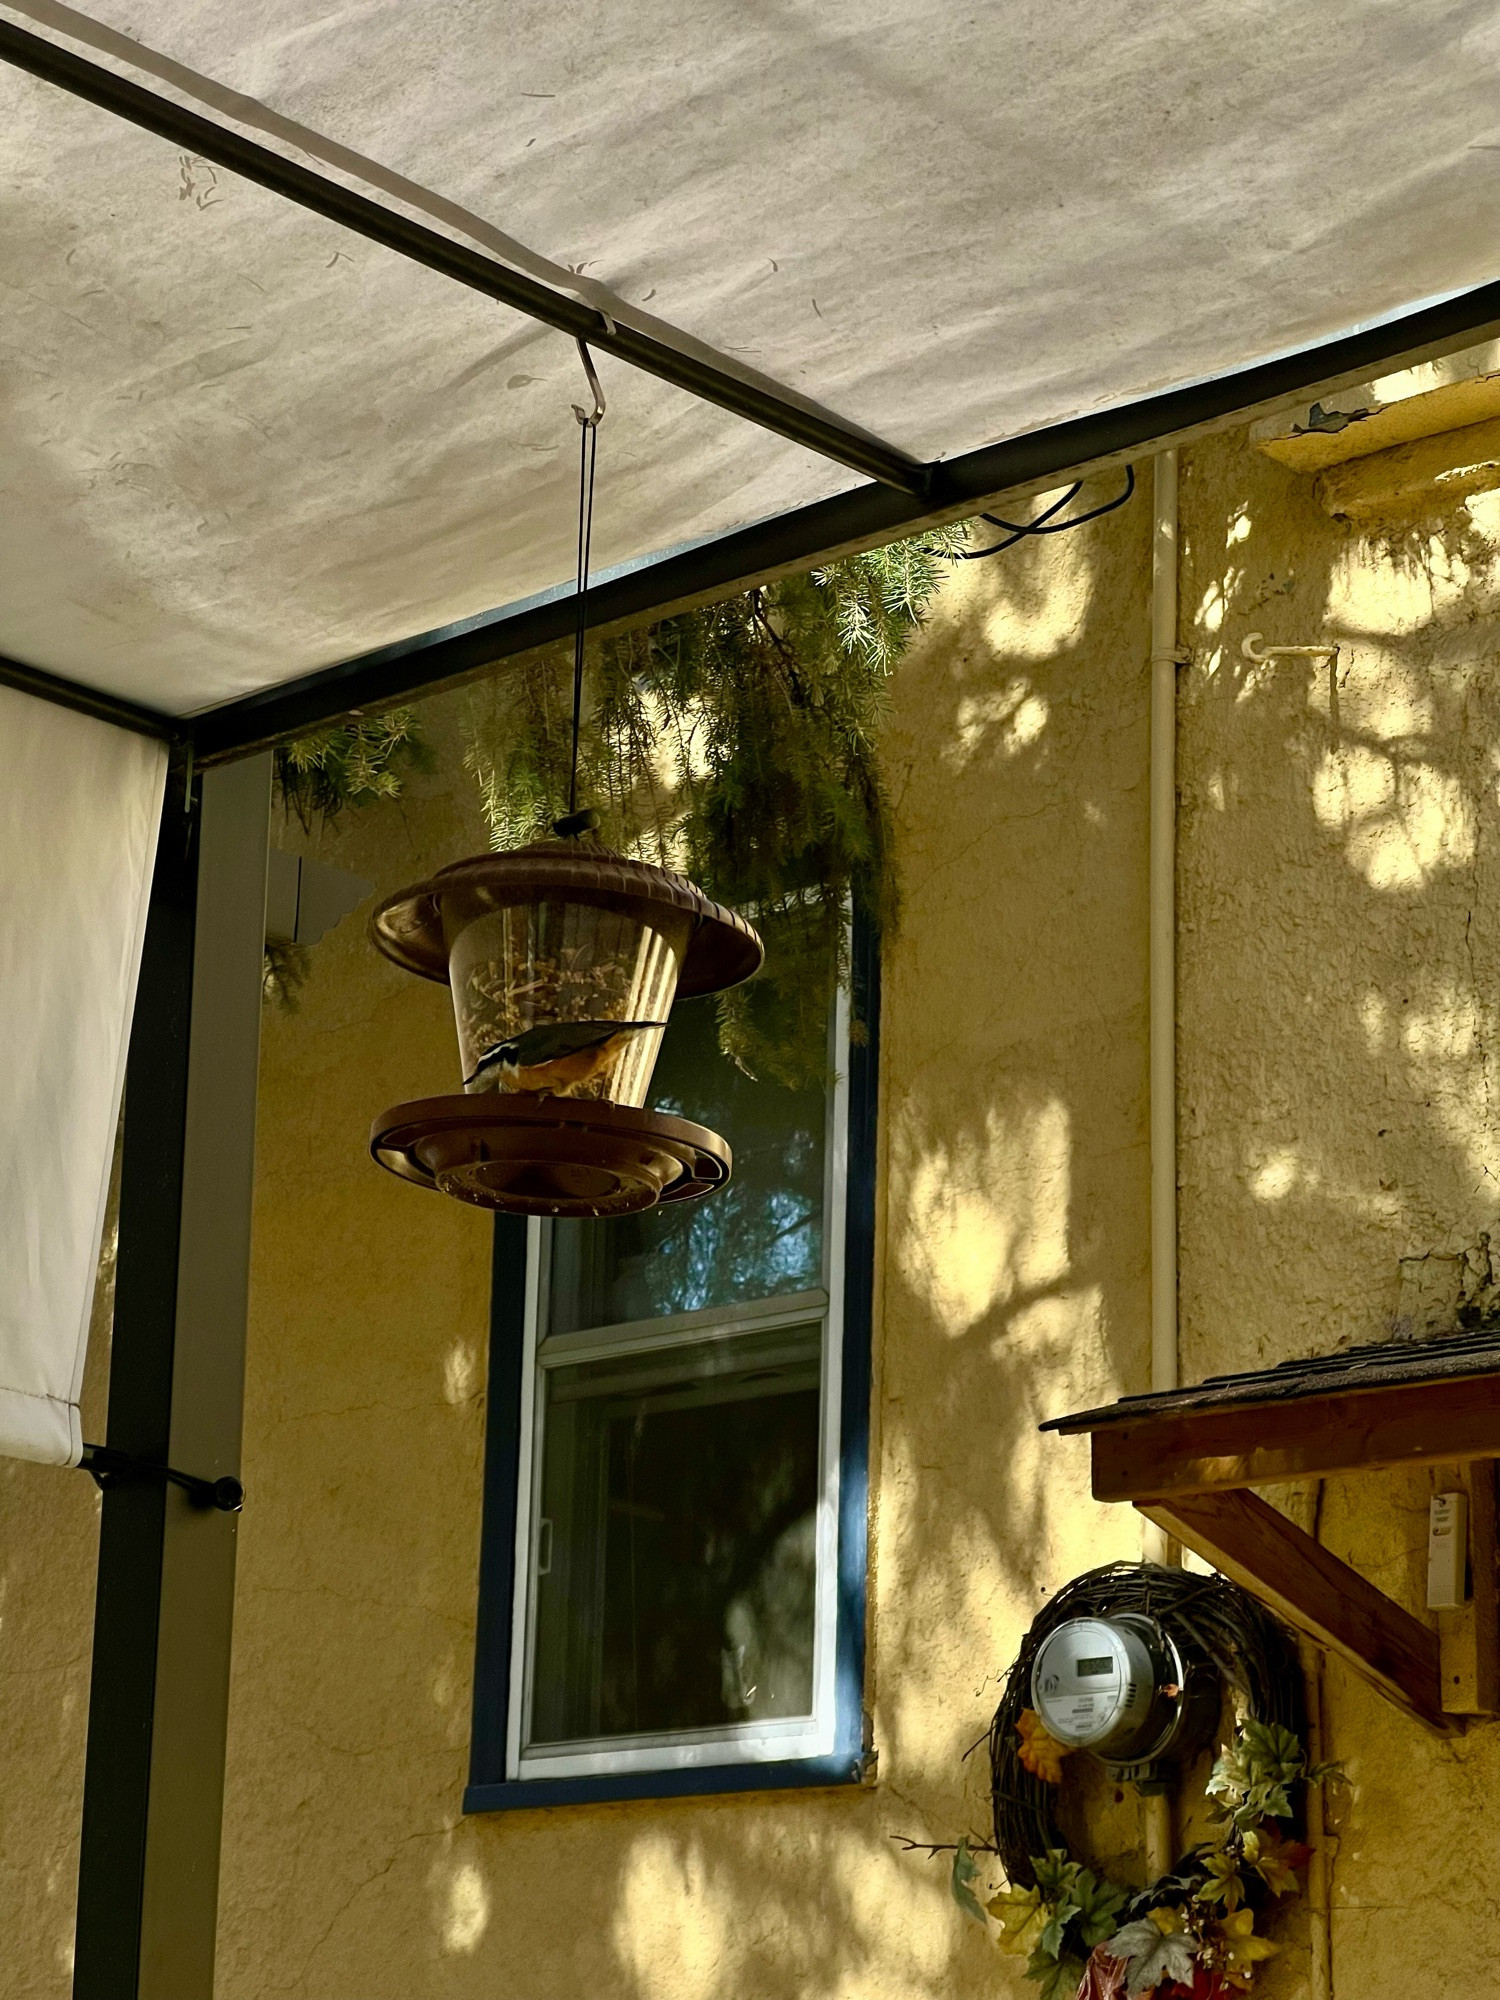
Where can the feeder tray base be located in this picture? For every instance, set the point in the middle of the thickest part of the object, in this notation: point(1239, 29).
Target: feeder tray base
point(534, 1155)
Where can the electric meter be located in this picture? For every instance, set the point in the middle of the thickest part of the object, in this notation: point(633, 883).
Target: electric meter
point(1123, 1688)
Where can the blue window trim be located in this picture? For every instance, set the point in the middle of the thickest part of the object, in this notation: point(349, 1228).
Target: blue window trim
point(489, 1790)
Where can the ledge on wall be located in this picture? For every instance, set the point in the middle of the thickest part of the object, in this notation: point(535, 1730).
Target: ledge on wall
point(1187, 1459)
point(1424, 436)
point(1452, 393)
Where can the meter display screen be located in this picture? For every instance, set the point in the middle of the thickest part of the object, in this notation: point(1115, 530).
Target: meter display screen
point(1100, 1666)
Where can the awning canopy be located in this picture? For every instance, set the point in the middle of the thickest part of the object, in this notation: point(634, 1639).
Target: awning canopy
point(241, 443)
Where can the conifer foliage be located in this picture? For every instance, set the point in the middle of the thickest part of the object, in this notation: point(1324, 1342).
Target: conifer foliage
point(321, 775)
point(735, 743)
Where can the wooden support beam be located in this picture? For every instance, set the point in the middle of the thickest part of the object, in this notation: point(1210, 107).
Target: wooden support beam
point(1340, 1610)
point(1361, 1430)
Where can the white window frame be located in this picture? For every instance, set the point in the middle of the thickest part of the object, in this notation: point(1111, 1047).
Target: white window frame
point(770, 1741)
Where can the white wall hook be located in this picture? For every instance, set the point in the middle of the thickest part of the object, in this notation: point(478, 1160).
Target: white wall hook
point(1252, 650)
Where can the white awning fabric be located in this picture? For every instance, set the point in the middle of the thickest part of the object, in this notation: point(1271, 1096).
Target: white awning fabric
point(238, 443)
point(79, 810)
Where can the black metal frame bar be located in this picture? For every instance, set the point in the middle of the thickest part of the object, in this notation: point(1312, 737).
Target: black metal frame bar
point(164, 1597)
point(132, 1532)
point(784, 414)
point(91, 701)
point(862, 518)
point(905, 497)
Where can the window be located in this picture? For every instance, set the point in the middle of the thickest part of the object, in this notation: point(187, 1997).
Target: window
point(672, 1577)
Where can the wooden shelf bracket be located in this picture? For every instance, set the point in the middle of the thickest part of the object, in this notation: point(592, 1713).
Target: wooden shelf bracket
point(1316, 1593)
point(1188, 1458)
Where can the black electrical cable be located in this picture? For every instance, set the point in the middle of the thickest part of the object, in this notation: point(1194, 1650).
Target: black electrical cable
point(1045, 524)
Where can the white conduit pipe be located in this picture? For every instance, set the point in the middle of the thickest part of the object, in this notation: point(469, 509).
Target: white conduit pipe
point(1163, 923)
point(1166, 657)
point(1162, 928)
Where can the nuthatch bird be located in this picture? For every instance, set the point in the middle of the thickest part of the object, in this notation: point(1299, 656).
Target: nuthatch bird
point(557, 1056)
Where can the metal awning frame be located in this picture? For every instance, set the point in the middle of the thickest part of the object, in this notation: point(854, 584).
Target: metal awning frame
point(160, 1684)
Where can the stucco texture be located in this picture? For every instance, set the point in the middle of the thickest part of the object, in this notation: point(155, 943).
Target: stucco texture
point(1338, 966)
point(1013, 1283)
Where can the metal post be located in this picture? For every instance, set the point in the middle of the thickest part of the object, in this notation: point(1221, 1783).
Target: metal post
point(158, 1705)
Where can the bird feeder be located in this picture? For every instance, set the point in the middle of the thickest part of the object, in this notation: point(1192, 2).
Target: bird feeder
point(564, 963)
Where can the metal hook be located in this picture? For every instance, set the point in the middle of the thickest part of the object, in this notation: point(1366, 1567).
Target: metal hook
point(591, 419)
point(1259, 655)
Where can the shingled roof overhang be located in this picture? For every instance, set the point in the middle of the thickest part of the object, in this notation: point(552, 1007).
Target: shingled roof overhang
point(1187, 1459)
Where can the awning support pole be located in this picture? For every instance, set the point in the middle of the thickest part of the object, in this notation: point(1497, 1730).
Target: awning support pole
point(159, 1696)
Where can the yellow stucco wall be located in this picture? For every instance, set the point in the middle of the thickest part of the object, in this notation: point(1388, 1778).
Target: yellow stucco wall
point(1338, 967)
point(1339, 960)
point(1013, 1283)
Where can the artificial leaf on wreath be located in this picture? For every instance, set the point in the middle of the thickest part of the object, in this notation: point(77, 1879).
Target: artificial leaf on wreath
point(961, 1881)
point(1242, 1949)
point(1180, 1886)
point(1057, 1879)
point(1021, 1913)
point(1056, 1978)
point(1155, 1949)
point(1040, 1752)
point(1275, 1860)
point(1051, 1940)
point(1224, 1884)
point(1099, 1906)
point(1252, 1780)
point(1054, 1872)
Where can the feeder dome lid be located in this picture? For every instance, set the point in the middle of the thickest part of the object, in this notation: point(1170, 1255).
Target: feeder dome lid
point(722, 950)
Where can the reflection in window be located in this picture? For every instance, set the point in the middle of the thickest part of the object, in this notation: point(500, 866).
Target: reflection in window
point(761, 1238)
point(677, 1545)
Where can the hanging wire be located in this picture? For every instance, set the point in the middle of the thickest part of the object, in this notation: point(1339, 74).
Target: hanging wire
point(1045, 523)
point(576, 822)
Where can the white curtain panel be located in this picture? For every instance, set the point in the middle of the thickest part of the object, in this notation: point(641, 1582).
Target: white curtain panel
point(79, 812)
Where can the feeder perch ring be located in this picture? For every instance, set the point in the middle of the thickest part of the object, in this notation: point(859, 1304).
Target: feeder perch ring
point(536, 1155)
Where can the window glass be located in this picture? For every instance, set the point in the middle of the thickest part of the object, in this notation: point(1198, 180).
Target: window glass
point(676, 1556)
point(762, 1237)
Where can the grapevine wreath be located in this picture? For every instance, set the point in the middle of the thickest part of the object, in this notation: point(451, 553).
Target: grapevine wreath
point(1192, 1934)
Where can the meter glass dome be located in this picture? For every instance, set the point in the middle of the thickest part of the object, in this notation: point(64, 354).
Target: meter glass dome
point(1093, 1684)
point(1123, 1688)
